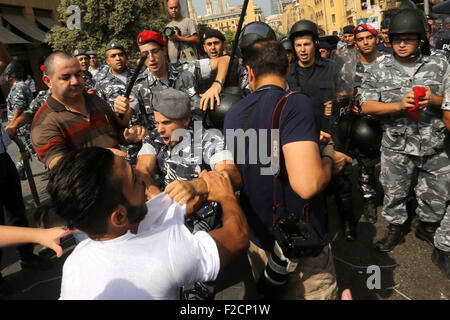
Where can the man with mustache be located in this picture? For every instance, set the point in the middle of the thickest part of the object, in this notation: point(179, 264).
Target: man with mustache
point(72, 119)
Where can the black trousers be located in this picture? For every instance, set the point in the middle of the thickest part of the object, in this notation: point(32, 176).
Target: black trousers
point(12, 207)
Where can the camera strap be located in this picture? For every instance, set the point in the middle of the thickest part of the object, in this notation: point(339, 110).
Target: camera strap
point(275, 140)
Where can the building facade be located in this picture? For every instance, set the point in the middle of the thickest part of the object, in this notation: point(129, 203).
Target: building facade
point(229, 21)
point(23, 26)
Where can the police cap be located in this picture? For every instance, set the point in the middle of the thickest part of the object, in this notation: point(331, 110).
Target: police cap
point(172, 104)
point(348, 29)
point(115, 45)
point(80, 52)
point(213, 33)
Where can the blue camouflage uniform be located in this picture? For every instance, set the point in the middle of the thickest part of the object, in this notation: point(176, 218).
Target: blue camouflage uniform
point(407, 146)
point(19, 98)
point(181, 76)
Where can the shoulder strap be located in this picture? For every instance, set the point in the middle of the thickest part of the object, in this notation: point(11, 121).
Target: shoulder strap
point(275, 132)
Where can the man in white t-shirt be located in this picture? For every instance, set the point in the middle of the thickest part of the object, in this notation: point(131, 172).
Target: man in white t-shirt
point(136, 250)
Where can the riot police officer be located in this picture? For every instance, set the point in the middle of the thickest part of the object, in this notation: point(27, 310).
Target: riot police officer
point(318, 78)
point(413, 130)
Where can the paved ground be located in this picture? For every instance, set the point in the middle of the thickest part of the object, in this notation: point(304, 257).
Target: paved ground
point(406, 273)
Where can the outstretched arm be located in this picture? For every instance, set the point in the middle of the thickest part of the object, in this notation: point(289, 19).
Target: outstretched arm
point(49, 238)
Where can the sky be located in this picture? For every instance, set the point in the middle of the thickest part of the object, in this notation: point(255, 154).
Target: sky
point(200, 6)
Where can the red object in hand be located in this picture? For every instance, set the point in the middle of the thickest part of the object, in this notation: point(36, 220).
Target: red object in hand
point(414, 113)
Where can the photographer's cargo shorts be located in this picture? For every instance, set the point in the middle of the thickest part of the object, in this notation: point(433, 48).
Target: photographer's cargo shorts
point(313, 279)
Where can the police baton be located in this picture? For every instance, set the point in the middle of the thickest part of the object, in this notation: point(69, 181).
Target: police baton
point(25, 156)
point(144, 56)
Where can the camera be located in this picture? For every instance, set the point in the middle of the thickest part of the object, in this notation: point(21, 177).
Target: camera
point(294, 239)
point(170, 31)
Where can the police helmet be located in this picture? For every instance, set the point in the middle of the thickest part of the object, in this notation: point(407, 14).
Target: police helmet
point(407, 21)
point(287, 44)
point(410, 21)
point(255, 31)
point(304, 26)
point(366, 136)
point(228, 97)
point(14, 70)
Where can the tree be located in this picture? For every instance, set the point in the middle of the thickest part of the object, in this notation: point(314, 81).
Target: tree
point(103, 21)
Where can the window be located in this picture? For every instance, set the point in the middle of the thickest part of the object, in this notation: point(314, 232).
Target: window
point(332, 3)
point(333, 18)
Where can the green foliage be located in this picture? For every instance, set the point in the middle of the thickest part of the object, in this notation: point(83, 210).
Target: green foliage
point(103, 21)
point(229, 36)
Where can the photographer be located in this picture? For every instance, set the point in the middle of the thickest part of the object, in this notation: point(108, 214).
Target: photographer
point(305, 171)
point(181, 33)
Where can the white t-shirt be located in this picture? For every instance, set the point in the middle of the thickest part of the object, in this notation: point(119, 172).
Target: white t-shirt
point(151, 264)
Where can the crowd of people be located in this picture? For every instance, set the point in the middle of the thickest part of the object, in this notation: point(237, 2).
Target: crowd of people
point(163, 181)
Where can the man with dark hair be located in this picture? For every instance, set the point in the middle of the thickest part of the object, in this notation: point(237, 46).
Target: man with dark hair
point(71, 119)
point(321, 81)
point(181, 149)
point(83, 58)
point(384, 45)
point(413, 130)
point(298, 186)
point(214, 43)
point(367, 154)
point(132, 244)
point(113, 83)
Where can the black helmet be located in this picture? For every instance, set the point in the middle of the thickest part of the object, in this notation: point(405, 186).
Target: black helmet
point(304, 26)
point(366, 136)
point(228, 97)
point(407, 21)
point(14, 69)
point(255, 31)
point(287, 44)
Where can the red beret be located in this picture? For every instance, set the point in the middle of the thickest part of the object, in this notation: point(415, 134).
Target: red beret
point(365, 27)
point(148, 35)
point(42, 68)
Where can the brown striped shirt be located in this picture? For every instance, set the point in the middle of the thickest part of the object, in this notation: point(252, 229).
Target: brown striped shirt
point(57, 130)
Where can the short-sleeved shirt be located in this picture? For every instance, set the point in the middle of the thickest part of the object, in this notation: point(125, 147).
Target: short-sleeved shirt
point(150, 265)
point(37, 102)
point(199, 150)
point(109, 87)
point(188, 28)
point(19, 97)
point(57, 130)
point(387, 81)
point(298, 123)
